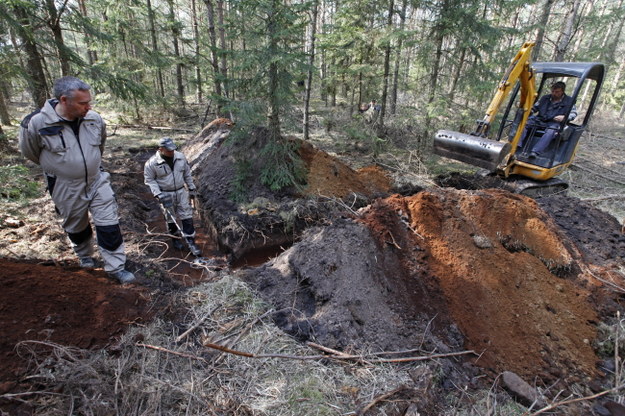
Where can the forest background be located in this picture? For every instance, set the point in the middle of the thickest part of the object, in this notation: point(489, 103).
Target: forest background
point(258, 60)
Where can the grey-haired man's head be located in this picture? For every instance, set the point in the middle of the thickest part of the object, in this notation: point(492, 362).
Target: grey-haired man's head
point(67, 85)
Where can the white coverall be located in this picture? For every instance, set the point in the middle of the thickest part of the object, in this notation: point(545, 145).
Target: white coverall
point(76, 182)
point(162, 180)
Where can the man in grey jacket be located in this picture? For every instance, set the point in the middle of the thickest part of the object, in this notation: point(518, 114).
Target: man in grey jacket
point(66, 138)
point(167, 173)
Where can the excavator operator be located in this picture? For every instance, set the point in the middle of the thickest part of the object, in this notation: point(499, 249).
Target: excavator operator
point(550, 111)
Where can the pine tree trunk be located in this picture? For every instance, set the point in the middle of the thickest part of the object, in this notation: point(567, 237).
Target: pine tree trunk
point(54, 23)
point(309, 77)
point(400, 42)
point(159, 74)
point(274, 101)
point(196, 58)
point(175, 31)
point(5, 118)
point(542, 25)
point(34, 68)
point(454, 81)
point(210, 14)
point(92, 55)
point(222, 44)
point(387, 64)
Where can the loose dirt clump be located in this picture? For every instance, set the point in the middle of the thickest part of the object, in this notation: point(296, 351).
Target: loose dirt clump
point(444, 269)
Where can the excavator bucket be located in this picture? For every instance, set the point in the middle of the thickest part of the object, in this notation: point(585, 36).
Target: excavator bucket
point(474, 150)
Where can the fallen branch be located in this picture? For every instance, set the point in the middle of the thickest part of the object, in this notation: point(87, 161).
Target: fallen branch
point(197, 324)
point(603, 198)
point(335, 356)
point(598, 174)
point(571, 401)
point(181, 354)
point(379, 399)
point(613, 285)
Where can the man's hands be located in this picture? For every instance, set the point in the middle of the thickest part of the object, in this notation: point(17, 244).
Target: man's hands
point(558, 119)
point(193, 193)
point(165, 200)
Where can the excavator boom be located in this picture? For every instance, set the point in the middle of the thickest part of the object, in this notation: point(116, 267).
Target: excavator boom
point(475, 148)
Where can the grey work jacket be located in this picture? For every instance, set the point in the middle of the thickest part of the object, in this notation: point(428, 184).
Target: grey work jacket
point(49, 141)
point(159, 177)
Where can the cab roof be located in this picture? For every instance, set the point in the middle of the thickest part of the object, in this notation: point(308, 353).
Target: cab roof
point(592, 70)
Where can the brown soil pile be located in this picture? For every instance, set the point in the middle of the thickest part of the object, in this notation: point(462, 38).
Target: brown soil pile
point(328, 176)
point(494, 255)
point(447, 269)
point(62, 305)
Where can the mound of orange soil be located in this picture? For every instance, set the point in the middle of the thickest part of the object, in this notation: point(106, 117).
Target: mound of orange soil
point(496, 257)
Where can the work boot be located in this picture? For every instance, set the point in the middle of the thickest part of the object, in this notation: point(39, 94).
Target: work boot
point(195, 250)
point(173, 230)
point(177, 243)
point(87, 262)
point(123, 276)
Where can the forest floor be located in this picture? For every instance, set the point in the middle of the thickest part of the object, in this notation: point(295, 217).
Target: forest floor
point(393, 290)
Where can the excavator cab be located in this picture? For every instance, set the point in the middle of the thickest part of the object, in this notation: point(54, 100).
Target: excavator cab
point(494, 144)
point(583, 82)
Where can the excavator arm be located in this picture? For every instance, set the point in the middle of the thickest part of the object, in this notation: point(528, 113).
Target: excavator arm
point(475, 148)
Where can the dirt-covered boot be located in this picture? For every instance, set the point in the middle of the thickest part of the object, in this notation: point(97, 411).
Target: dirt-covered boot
point(173, 230)
point(195, 250)
point(177, 243)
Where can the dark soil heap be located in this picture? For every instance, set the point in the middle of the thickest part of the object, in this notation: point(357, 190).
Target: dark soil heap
point(268, 218)
point(489, 269)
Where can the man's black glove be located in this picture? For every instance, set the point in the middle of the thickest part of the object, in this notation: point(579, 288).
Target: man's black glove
point(192, 193)
point(165, 200)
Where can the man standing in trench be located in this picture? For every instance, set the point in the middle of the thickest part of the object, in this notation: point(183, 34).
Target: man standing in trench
point(167, 173)
point(66, 138)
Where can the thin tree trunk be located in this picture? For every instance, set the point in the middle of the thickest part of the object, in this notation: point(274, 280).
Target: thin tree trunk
point(387, 63)
point(92, 55)
point(37, 83)
point(210, 13)
point(196, 58)
point(54, 23)
point(5, 118)
point(175, 31)
point(274, 103)
point(311, 63)
point(454, 81)
point(398, 52)
point(542, 25)
point(222, 44)
point(159, 73)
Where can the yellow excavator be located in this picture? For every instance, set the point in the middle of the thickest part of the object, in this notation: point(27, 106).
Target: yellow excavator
point(522, 171)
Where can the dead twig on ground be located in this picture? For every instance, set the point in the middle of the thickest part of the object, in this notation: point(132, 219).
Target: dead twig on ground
point(337, 355)
point(613, 285)
point(197, 324)
point(594, 172)
point(168, 351)
point(340, 202)
point(378, 399)
point(603, 198)
point(571, 401)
